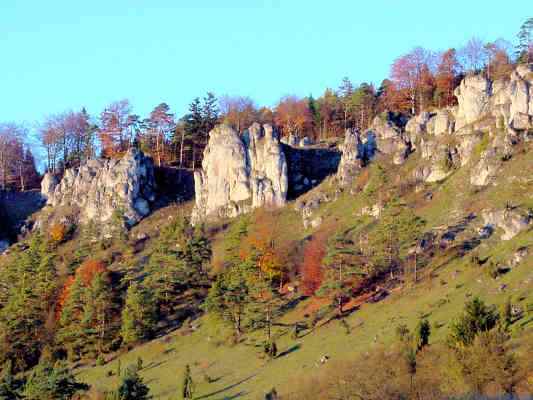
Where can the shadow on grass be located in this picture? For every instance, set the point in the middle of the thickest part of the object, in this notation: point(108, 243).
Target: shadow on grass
point(290, 350)
point(229, 387)
point(234, 396)
point(153, 365)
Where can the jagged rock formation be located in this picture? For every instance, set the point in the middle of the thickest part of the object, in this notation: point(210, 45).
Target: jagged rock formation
point(240, 173)
point(490, 116)
point(100, 188)
point(481, 132)
point(387, 136)
point(353, 156)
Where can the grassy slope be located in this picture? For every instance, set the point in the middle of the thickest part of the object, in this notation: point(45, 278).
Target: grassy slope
point(240, 372)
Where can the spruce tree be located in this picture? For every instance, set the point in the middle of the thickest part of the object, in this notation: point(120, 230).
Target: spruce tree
point(71, 334)
point(138, 314)
point(132, 386)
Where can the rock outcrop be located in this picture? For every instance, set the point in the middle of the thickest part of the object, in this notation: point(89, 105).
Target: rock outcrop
point(510, 221)
point(99, 189)
point(240, 173)
point(353, 157)
point(473, 100)
point(495, 113)
point(387, 135)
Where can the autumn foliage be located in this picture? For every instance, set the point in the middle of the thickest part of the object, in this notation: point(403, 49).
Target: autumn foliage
point(311, 268)
point(263, 242)
point(58, 232)
point(86, 272)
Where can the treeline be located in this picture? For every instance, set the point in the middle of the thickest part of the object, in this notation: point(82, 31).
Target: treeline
point(419, 80)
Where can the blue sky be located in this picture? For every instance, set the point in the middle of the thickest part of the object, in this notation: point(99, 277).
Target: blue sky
point(65, 54)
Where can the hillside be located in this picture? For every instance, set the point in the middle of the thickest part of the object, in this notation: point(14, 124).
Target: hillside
point(324, 250)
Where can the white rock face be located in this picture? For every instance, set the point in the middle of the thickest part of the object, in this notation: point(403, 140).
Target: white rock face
point(48, 185)
point(268, 167)
point(240, 173)
point(417, 124)
point(487, 167)
point(353, 154)
point(510, 221)
point(100, 188)
point(473, 100)
point(443, 123)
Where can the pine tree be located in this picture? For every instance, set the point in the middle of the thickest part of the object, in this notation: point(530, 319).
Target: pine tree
point(24, 304)
point(229, 296)
point(71, 334)
point(97, 311)
point(525, 42)
point(132, 386)
point(341, 270)
point(138, 314)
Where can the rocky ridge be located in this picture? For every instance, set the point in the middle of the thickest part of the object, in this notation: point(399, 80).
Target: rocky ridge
point(98, 189)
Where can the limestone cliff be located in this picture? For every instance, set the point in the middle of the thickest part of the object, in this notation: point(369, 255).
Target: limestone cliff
point(491, 117)
point(240, 173)
point(101, 188)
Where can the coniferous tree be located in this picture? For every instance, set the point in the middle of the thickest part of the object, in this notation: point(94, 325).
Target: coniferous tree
point(341, 271)
point(52, 382)
point(71, 333)
point(132, 387)
point(138, 314)
point(423, 330)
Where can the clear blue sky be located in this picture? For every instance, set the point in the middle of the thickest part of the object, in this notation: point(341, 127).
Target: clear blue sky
point(65, 54)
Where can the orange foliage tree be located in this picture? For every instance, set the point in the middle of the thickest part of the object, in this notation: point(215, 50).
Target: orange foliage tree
point(292, 116)
point(311, 267)
point(262, 242)
point(86, 272)
point(445, 78)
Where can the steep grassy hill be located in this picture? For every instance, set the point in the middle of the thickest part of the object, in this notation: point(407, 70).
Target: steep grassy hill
point(459, 267)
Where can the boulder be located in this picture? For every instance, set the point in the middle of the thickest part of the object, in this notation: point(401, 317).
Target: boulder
point(240, 173)
point(417, 125)
point(98, 189)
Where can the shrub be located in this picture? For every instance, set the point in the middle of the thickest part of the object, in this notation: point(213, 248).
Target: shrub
point(58, 232)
